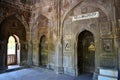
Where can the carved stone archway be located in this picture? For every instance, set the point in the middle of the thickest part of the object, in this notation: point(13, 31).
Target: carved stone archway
point(13, 50)
point(43, 51)
point(10, 26)
point(85, 53)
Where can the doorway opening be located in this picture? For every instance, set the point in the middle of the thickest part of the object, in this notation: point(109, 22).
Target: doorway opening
point(13, 51)
point(85, 53)
point(43, 52)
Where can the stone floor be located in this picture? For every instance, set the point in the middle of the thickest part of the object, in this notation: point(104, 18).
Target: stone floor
point(85, 76)
point(39, 74)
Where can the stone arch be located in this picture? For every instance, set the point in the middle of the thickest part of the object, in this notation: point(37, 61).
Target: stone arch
point(11, 51)
point(42, 21)
point(43, 51)
point(79, 68)
point(20, 18)
point(12, 23)
point(13, 58)
point(23, 21)
point(16, 38)
point(10, 26)
point(65, 15)
point(6, 16)
point(41, 26)
point(82, 28)
point(85, 29)
point(96, 5)
point(81, 3)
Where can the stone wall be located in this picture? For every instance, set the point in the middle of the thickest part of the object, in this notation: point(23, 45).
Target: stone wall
point(118, 27)
point(53, 19)
point(14, 20)
point(103, 29)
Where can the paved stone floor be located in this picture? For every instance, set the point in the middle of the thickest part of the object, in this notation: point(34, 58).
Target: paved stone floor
point(39, 74)
point(85, 76)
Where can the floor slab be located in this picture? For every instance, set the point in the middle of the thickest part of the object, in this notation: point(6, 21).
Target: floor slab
point(38, 74)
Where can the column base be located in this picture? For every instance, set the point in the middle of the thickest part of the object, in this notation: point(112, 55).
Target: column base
point(95, 76)
point(59, 70)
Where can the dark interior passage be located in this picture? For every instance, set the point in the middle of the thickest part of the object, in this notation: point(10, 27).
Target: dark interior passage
point(86, 52)
point(43, 52)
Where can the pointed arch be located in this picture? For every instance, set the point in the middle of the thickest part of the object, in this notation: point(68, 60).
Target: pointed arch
point(85, 56)
point(12, 26)
point(9, 26)
point(93, 4)
point(13, 50)
point(20, 18)
point(43, 51)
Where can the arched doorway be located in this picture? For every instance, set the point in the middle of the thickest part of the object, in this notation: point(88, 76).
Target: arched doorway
point(86, 53)
point(13, 51)
point(12, 26)
point(43, 52)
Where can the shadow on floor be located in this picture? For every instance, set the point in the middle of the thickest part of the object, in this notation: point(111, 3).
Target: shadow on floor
point(12, 68)
point(85, 76)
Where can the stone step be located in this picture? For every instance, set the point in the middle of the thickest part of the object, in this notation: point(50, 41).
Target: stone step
point(108, 74)
point(106, 78)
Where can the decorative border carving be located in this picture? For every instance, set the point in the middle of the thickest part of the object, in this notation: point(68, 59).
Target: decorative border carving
point(107, 45)
point(67, 45)
point(105, 28)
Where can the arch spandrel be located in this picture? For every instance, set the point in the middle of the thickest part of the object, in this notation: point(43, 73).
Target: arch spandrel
point(91, 23)
point(11, 25)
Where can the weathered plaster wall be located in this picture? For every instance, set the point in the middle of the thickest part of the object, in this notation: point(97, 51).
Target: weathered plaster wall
point(103, 29)
point(53, 18)
point(14, 20)
point(118, 28)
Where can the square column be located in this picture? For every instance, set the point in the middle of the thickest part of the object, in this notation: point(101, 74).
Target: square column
point(59, 58)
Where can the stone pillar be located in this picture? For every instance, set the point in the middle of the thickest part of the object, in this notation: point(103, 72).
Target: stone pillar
point(97, 59)
point(36, 53)
point(118, 56)
point(59, 58)
point(3, 55)
point(18, 53)
point(23, 53)
point(16, 46)
point(30, 54)
point(30, 47)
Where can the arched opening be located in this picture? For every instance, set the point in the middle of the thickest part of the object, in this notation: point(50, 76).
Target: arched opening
point(13, 28)
point(43, 52)
point(86, 53)
point(13, 51)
